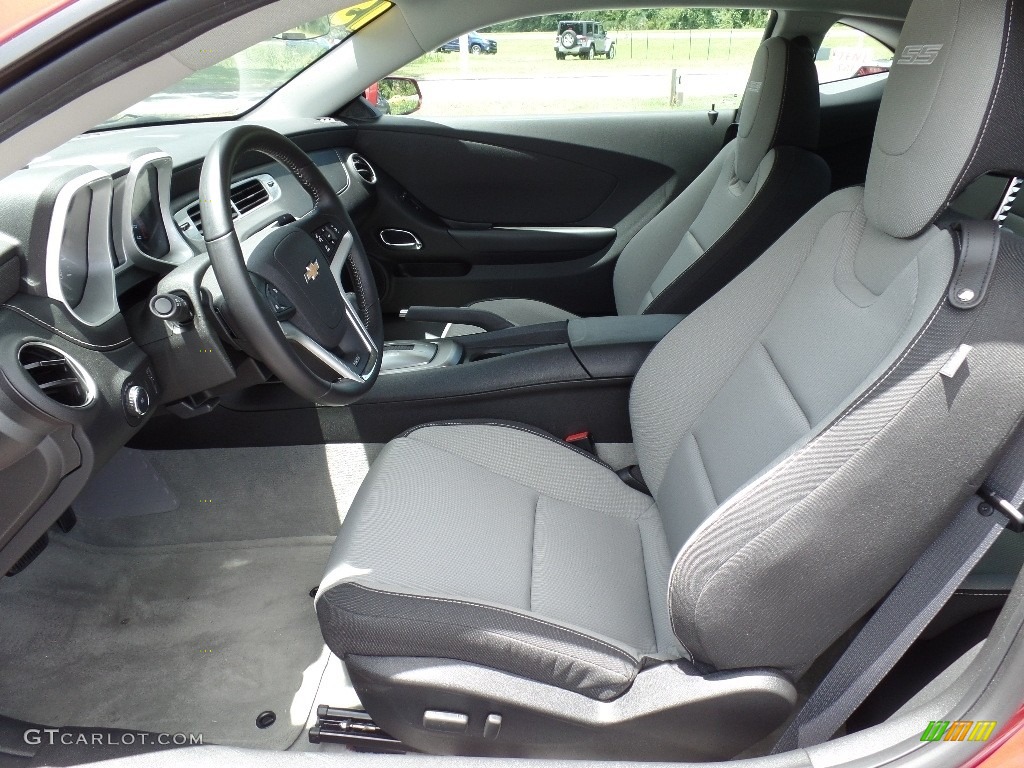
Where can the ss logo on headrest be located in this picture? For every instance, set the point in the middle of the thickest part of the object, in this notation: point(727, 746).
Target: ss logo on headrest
point(919, 54)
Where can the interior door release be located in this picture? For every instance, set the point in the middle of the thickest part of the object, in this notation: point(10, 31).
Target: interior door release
point(400, 238)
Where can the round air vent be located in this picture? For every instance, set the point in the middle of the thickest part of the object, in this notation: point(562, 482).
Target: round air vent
point(60, 377)
point(362, 166)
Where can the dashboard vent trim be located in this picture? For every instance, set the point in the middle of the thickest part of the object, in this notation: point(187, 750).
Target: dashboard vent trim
point(58, 376)
point(246, 196)
point(362, 167)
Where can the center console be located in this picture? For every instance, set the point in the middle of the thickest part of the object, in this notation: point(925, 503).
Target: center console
point(607, 347)
point(562, 377)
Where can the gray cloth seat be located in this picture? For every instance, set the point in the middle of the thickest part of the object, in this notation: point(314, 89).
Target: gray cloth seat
point(592, 615)
point(803, 438)
point(754, 190)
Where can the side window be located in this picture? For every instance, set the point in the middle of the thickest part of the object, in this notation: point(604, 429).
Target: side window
point(593, 62)
point(847, 52)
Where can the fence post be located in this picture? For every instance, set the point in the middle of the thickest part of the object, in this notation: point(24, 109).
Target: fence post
point(673, 94)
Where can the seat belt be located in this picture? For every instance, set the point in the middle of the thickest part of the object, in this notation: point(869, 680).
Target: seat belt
point(935, 576)
point(920, 594)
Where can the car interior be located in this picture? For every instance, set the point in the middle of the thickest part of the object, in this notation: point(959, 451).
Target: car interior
point(342, 437)
point(761, 182)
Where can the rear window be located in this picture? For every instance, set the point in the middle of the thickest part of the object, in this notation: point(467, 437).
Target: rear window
point(846, 53)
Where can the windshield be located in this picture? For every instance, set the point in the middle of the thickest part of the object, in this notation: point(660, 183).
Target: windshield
point(236, 85)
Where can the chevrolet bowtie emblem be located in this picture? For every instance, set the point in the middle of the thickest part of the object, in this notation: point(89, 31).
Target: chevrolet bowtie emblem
point(312, 271)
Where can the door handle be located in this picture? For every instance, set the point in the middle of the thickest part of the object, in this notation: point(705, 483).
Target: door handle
point(400, 238)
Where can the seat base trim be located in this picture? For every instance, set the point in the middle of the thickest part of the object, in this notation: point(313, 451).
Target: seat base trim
point(671, 712)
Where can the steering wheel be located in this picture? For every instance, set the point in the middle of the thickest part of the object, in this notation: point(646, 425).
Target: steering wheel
point(287, 289)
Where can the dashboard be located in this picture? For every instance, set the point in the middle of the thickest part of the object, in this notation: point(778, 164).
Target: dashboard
point(88, 235)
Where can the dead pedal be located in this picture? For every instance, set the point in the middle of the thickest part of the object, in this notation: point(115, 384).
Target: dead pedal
point(352, 728)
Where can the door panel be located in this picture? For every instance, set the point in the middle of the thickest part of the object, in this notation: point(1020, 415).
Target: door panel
point(476, 182)
point(531, 207)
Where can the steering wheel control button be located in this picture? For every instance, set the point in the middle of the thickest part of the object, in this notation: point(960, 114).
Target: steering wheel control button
point(279, 302)
point(445, 722)
point(327, 237)
point(171, 308)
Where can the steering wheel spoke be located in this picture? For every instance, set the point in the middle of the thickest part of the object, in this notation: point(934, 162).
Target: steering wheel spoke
point(335, 360)
point(353, 358)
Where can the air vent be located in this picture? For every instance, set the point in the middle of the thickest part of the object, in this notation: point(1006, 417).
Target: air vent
point(195, 216)
point(246, 196)
point(57, 375)
point(362, 166)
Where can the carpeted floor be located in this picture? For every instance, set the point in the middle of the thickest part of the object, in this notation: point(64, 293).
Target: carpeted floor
point(183, 604)
point(236, 494)
point(193, 638)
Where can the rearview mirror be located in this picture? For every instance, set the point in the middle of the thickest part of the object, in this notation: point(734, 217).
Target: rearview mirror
point(400, 95)
point(311, 30)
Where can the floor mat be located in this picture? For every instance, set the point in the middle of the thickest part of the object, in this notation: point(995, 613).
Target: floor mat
point(224, 495)
point(194, 638)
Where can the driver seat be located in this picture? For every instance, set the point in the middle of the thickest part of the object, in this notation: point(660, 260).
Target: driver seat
point(804, 436)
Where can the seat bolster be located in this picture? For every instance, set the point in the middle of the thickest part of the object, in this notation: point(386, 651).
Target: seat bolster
point(368, 620)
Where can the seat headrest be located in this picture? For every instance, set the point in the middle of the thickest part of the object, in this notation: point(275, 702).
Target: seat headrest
point(952, 110)
point(780, 105)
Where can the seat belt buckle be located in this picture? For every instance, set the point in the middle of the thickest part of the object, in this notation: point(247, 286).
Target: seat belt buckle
point(582, 440)
point(997, 502)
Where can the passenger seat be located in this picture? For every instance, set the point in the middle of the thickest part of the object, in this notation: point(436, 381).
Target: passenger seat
point(751, 193)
